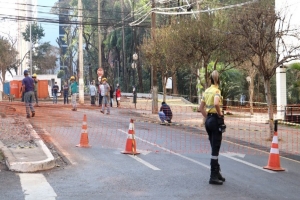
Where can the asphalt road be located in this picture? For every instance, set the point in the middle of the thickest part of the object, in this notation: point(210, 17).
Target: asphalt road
point(173, 164)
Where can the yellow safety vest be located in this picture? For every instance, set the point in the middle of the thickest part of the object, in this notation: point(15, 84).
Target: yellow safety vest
point(208, 98)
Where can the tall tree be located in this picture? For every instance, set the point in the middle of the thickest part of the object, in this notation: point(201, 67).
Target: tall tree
point(37, 33)
point(44, 58)
point(263, 33)
point(7, 59)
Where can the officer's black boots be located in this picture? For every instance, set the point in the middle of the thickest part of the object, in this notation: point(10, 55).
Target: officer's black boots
point(220, 177)
point(214, 173)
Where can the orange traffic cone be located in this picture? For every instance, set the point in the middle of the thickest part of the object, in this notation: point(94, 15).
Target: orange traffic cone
point(274, 159)
point(84, 139)
point(130, 147)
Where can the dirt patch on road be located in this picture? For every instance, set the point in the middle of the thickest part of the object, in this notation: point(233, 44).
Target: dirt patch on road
point(14, 131)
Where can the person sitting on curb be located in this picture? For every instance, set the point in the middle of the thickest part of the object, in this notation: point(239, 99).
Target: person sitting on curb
point(165, 113)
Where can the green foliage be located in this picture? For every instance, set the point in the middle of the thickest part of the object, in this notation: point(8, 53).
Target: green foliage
point(113, 39)
point(37, 33)
point(293, 83)
point(7, 57)
point(295, 66)
point(61, 74)
point(231, 83)
point(44, 58)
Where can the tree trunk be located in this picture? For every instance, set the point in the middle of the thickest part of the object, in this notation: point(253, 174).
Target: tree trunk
point(2, 77)
point(270, 106)
point(140, 75)
point(174, 83)
point(251, 88)
point(164, 87)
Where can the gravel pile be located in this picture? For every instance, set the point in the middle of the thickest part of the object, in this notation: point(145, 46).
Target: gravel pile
point(13, 130)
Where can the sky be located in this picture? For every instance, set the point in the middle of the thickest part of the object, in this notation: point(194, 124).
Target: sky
point(290, 9)
point(10, 26)
point(51, 30)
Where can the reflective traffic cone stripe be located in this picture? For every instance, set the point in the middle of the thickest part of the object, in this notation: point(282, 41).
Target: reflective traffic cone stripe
point(84, 139)
point(274, 159)
point(130, 147)
point(131, 127)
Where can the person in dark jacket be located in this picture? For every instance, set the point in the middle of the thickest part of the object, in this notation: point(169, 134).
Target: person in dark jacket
point(111, 93)
point(28, 91)
point(55, 89)
point(66, 92)
point(165, 113)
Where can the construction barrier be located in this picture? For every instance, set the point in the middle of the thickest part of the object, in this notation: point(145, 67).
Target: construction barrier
point(84, 139)
point(274, 159)
point(186, 134)
point(130, 147)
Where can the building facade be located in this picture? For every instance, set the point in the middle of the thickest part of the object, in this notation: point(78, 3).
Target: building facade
point(26, 14)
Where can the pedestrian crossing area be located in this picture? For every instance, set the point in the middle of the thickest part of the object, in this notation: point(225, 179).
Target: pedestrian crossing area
point(36, 186)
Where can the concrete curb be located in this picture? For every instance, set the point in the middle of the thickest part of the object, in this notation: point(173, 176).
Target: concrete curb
point(14, 164)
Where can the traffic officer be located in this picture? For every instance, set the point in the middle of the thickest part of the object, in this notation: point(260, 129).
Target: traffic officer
point(210, 108)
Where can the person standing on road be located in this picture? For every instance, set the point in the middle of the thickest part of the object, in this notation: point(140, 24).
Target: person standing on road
point(118, 96)
point(100, 87)
point(165, 113)
point(74, 92)
point(66, 92)
point(22, 94)
point(93, 92)
point(55, 89)
point(111, 94)
point(28, 87)
point(35, 89)
point(105, 89)
point(214, 125)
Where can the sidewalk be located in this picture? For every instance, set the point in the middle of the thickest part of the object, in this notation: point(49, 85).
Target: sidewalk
point(23, 149)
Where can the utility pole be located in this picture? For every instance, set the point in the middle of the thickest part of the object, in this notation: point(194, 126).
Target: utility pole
point(134, 49)
point(99, 34)
point(30, 49)
point(154, 68)
point(80, 54)
point(123, 45)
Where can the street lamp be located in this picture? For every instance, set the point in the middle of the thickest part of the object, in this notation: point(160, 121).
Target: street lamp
point(135, 57)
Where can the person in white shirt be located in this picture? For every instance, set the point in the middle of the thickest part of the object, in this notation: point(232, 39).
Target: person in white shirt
point(105, 93)
point(93, 92)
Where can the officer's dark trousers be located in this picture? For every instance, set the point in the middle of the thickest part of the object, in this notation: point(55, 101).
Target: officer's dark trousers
point(214, 135)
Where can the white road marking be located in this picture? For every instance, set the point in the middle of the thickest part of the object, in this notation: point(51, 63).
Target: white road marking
point(245, 162)
point(228, 155)
point(35, 186)
point(234, 154)
point(144, 162)
point(165, 149)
